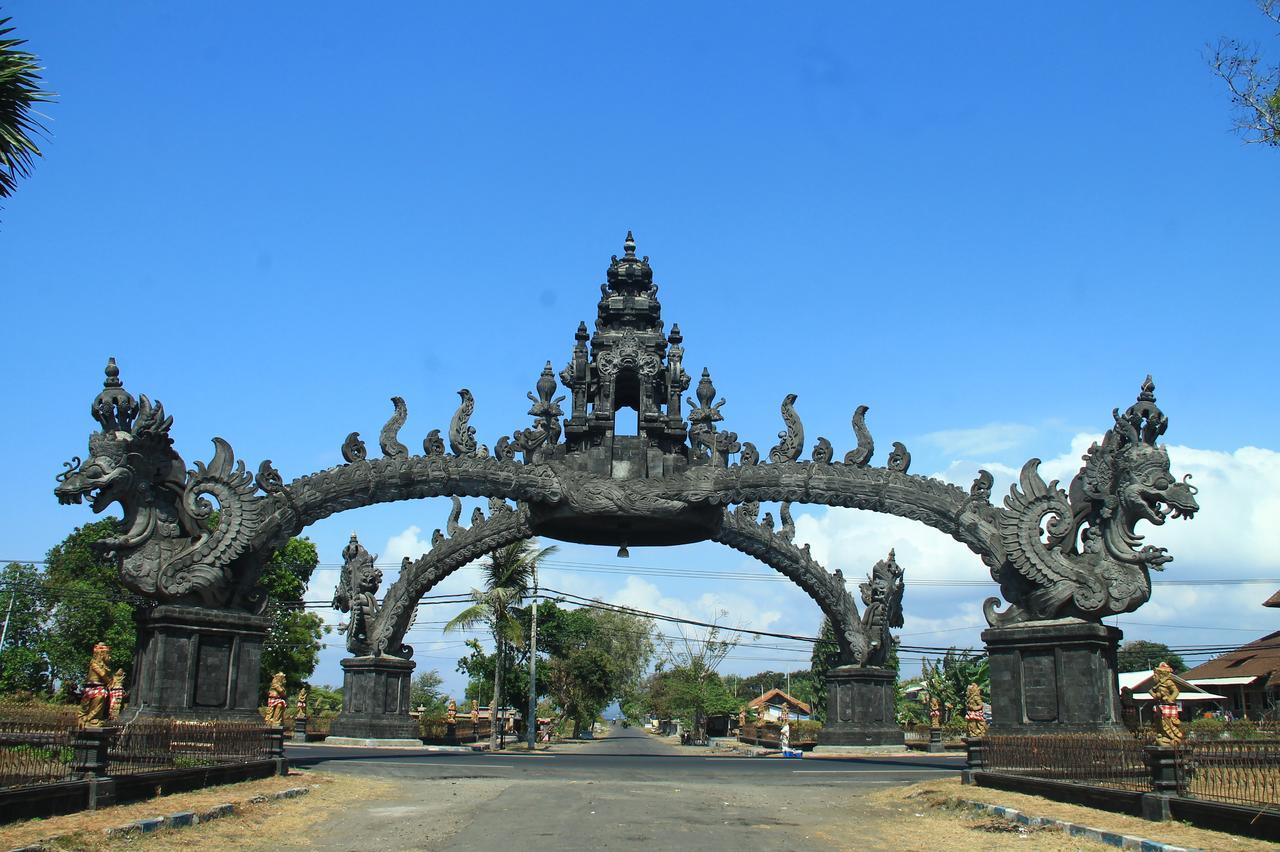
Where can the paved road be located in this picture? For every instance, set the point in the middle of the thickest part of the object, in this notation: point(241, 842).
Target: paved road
point(625, 754)
point(625, 791)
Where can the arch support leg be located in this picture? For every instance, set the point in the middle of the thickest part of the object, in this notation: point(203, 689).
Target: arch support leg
point(198, 663)
point(1053, 677)
point(375, 702)
point(860, 710)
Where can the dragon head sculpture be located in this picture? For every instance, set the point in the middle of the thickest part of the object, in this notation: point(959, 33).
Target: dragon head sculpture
point(1092, 562)
point(167, 548)
point(1126, 479)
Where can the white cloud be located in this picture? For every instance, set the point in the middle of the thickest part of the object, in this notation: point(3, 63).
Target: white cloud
point(981, 441)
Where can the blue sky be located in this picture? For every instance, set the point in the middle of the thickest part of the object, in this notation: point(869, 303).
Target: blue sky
point(987, 223)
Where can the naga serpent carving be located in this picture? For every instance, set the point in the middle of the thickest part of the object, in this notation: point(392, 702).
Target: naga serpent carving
point(1055, 553)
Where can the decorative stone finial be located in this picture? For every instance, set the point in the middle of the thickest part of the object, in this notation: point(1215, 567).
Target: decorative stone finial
point(114, 408)
point(630, 274)
point(1143, 421)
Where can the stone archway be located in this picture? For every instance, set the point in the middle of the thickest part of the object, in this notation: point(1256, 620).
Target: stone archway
point(1061, 556)
point(376, 633)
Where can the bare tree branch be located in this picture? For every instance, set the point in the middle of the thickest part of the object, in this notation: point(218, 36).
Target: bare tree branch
point(1255, 89)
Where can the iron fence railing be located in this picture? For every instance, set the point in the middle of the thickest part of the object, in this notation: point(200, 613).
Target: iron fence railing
point(147, 745)
point(1105, 760)
point(35, 751)
point(1243, 772)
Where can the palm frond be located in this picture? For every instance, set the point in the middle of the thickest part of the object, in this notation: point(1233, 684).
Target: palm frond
point(19, 91)
point(478, 613)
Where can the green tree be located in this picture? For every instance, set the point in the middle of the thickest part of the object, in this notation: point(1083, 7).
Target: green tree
point(596, 656)
point(292, 644)
point(1139, 655)
point(1254, 87)
point(506, 582)
point(23, 667)
point(19, 93)
point(425, 692)
point(949, 678)
point(87, 604)
point(687, 686)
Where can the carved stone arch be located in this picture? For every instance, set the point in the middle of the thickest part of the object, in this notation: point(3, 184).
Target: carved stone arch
point(504, 527)
point(741, 531)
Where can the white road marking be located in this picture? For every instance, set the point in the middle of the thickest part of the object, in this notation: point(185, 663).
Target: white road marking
point(457, 764)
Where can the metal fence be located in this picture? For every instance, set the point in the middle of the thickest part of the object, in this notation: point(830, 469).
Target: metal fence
point(1237, 772)
point(147, 745)
point(35, 750)
point(1104, 760)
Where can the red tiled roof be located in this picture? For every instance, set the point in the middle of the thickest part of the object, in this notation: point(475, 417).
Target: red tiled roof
point(1260, 657)
point(1274, 600)
point(778, 693)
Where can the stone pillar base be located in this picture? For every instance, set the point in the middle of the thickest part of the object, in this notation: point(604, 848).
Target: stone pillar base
point(375, 700)
point(197, 663)
point(860, 708)
point(1053, 677)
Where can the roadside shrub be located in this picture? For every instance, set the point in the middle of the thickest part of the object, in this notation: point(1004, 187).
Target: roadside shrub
point(805, 729)
point(1243, 729)
point(1206, 729)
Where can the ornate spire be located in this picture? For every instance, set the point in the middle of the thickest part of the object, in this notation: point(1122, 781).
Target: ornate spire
point(630, 274)
point(1144, 421)
point(114, 408)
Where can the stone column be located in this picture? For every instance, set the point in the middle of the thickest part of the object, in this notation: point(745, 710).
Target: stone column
point(197, 663)
point(375, 701)
point(90, 760)
point(1053, 677)
point(860, 710)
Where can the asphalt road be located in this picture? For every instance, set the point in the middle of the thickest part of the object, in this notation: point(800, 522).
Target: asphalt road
point(627, 790)
point(625, 755)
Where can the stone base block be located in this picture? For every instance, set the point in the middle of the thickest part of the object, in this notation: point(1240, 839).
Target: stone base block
point(1053, 676)
point(375, 700)
point(197, 663)
point(860, 708)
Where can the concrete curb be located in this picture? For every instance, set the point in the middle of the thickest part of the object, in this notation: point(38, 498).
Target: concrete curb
point(1075, 829)
point(182, 819)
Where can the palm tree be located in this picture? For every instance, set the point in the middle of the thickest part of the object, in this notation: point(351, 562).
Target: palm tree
point(19, 91)
point(507, 572)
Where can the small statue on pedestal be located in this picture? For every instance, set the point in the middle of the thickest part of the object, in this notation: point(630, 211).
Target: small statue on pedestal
point(116, 694)
point(475, 712)
point(301, 704)
point(1165, 693)
point(935, 712)
point(94, 700)
point(276, 701)
point(451, 712)
point(975, 720)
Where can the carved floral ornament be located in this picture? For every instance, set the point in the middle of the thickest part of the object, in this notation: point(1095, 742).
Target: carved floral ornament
point(1055, 552)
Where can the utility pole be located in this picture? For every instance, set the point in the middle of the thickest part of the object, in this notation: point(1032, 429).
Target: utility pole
point(4, 632)
point(531, 723)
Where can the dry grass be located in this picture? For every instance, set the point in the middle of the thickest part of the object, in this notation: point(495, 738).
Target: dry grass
point(938, 794)
point(85, 830)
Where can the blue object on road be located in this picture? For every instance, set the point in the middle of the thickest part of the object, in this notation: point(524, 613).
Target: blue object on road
point(792, 752)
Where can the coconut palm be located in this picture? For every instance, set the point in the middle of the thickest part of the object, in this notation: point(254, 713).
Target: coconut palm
point(19, 91)
point(507, 572)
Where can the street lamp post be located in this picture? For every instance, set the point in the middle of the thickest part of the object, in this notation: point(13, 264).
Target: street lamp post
point(531, 723)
